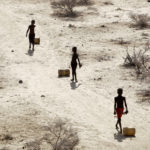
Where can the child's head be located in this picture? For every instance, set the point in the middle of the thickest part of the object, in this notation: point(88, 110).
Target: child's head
point(33, 22)
point(74, 49)
point(120, 91)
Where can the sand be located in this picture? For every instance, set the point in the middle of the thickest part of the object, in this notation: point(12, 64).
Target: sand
point(89, 103)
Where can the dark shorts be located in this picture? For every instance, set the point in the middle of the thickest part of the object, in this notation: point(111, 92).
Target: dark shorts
point(31, 38)
point(119, 112)
point(74, 66)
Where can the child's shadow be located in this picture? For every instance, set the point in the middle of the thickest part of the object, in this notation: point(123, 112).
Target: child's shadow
point(30, 52)
point(120, 137)
point(74, 85)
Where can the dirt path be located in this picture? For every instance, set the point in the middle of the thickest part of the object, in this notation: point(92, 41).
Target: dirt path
point(88, 104)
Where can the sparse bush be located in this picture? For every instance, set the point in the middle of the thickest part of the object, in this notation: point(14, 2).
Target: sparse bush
point(64, 7)
point(61, 136)
point(139, 60)
point(140, 20)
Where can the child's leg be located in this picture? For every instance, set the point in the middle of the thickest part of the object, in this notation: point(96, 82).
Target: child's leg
point(120, 125)
point(117, 124)
point(29, 45)
point(75, 74)
point(72, 77)
point(72, 73)
point(33, 46)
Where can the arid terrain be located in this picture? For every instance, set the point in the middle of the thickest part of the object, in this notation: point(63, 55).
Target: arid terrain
point(26, 108)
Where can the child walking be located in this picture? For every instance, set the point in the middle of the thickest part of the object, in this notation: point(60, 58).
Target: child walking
point(75, 57)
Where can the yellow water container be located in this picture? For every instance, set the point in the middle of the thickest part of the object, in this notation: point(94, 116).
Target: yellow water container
point(129, 131)
point(64, 73)
point(37, 41)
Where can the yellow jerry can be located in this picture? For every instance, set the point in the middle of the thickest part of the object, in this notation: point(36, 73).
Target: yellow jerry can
point(129, 131)
point(37, 41)
point(64, 73)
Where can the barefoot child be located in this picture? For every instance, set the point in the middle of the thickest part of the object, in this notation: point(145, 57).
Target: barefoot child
point(75, 57)
point(119, 103)
point(31, 34)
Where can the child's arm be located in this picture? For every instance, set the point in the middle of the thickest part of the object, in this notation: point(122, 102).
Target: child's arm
point(126, 106)
point(79, 62)
point(27, 31)
point(114, 106)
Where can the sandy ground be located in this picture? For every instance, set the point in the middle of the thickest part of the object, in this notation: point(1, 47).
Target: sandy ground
point(89, 103)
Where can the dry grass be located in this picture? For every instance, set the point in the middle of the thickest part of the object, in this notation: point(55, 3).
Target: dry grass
point(140, 20)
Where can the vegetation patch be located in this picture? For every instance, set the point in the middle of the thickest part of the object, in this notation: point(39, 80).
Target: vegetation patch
point(140, 20)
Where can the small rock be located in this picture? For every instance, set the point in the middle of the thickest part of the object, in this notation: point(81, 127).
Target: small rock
point(103, 26)
point(71, 26)
point(99, 79)
point(20, 81)
point(12, 51)
point(42, 95)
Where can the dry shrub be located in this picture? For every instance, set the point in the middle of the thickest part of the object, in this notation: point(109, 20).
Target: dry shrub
point(61, 136)
point(138, 59)
point(140, 20)
point(64, 7)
